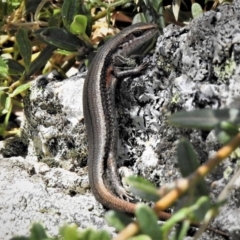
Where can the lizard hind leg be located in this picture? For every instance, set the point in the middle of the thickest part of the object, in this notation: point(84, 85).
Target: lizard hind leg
point(114, 179)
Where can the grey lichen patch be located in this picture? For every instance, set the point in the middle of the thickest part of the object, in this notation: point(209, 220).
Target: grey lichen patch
point(225, 70)
point(192, 68)
point(54, 122)
point(205, 50)
point(164, 65)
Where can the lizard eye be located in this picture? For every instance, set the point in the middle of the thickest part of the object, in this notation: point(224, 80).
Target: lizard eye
point(137, 33)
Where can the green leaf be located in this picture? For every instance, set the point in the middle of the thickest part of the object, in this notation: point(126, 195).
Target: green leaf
point(152, 11)
point(200, 208)
point(142, 188)
point(15, 68)
point(61, 38)
point(64, 52)
point(69, 233)
point(3, 100)
point(88, 234)
point(56, 19)
point(79, 25)
point(20, 89)
point(205, 119)
point(147, 220)
point(156, 4)
point(222, 136)
point(140, 237)
point(186, 157)
point(9, 110)
point(225, 131)
point(24, 46)
point(117, 220)
point(37, 232)
point(70, 9)
point(182, 230)
point(2, 129)
point(188, 163)
point(41, 60)
point(8, 103)
point(101, 234)
point(196, 10)
point(229, 127)
point(3, 68)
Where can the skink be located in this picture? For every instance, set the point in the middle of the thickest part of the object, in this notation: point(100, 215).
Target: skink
point(100, 116)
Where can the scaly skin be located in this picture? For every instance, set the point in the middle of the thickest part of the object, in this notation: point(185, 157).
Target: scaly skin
point(100, 119)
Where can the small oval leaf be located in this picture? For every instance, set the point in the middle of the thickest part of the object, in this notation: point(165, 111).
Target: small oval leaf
point(187, 158)
point(79, 24)
point(140, 237)
point(196, 10)
point(142, 188)
point(41, 60)
point(3, 68)
point(188, 163)
point(70, 9)
point(147, 220)
point(61, 38)
point(15, 68)
point(24, 46)
point(38, 232)
point(8, 103)
point(3, 99)
point(69, 232)
point(205, 119)
point(101, 234)
point(117, 220)
point(20, 89)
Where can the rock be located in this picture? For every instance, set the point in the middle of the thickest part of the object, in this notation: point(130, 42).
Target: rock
point(193, 67)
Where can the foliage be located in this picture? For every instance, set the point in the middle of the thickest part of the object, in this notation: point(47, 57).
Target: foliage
point(65, 233)
point(225, 122)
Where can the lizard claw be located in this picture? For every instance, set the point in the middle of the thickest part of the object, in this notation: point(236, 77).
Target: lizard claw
point(124, 194)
